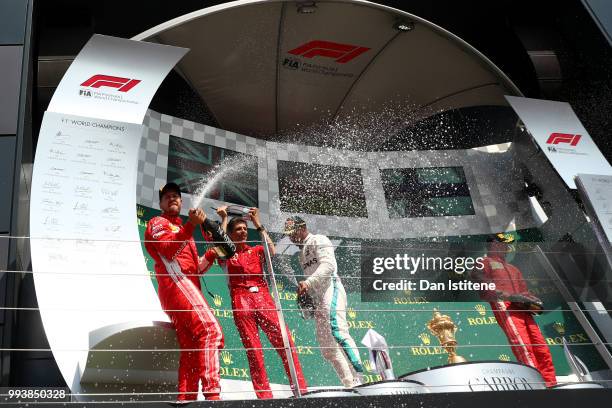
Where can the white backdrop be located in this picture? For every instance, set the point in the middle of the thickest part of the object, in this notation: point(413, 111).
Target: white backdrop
point(89, 270)
point(562, 137)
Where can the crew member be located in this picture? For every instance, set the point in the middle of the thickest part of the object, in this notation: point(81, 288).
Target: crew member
point(170, 243)
point(513, 306)
point(318, 262)
point(251, 302)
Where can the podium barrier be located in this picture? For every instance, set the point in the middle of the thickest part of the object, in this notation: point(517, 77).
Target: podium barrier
point(392, 387)
point(577, 386)
point(331, 393)
point(479, 376)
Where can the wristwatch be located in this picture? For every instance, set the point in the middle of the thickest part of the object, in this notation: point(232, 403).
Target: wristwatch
point(261, 228)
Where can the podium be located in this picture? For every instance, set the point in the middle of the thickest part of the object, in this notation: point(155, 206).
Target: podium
point(128, 370)
point(479, 376)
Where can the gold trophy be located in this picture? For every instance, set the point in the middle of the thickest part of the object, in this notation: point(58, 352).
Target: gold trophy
point(444, 329)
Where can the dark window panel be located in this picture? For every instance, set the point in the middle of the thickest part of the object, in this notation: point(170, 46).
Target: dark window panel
point(319, 189)
point(190, 163)
point(7, 161)
point(426, 192)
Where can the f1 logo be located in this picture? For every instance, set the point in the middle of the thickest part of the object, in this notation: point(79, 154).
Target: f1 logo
point(342, 53)
point(556, 138)
point(122, 84)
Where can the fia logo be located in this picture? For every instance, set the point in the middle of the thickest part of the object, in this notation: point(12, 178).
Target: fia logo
point(291, 63)
point(85, 93)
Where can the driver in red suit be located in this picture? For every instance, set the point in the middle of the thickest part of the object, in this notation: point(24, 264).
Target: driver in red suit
point(171, 245)
point(513, 306)
point(252, 304)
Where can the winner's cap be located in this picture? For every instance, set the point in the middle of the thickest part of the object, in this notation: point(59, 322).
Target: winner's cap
point(169, 187)
point(292, 224)
point(501, 237)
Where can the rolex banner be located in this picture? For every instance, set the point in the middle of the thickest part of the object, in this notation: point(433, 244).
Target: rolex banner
point(402, 320)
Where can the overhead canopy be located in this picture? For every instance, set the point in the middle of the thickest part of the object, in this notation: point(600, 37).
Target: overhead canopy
point(267, 68)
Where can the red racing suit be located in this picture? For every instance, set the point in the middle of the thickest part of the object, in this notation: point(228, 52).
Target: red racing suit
point(253, 307)
point(176, 267)
point(523, 333)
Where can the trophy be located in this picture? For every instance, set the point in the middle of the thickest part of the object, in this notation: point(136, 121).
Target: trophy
point(444, 329)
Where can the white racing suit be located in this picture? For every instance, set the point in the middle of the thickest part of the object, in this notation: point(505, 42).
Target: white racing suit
point(324, 286)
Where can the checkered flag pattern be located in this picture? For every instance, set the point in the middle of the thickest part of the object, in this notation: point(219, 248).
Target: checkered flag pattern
point(497, 194)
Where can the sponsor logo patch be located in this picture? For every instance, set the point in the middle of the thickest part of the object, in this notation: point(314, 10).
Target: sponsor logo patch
point(324, 58)
point(564, 143)
point(567, 138)
point(108, 81)
point(341, 53)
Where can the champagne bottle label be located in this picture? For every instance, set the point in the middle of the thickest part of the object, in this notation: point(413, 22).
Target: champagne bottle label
point(220, 237)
